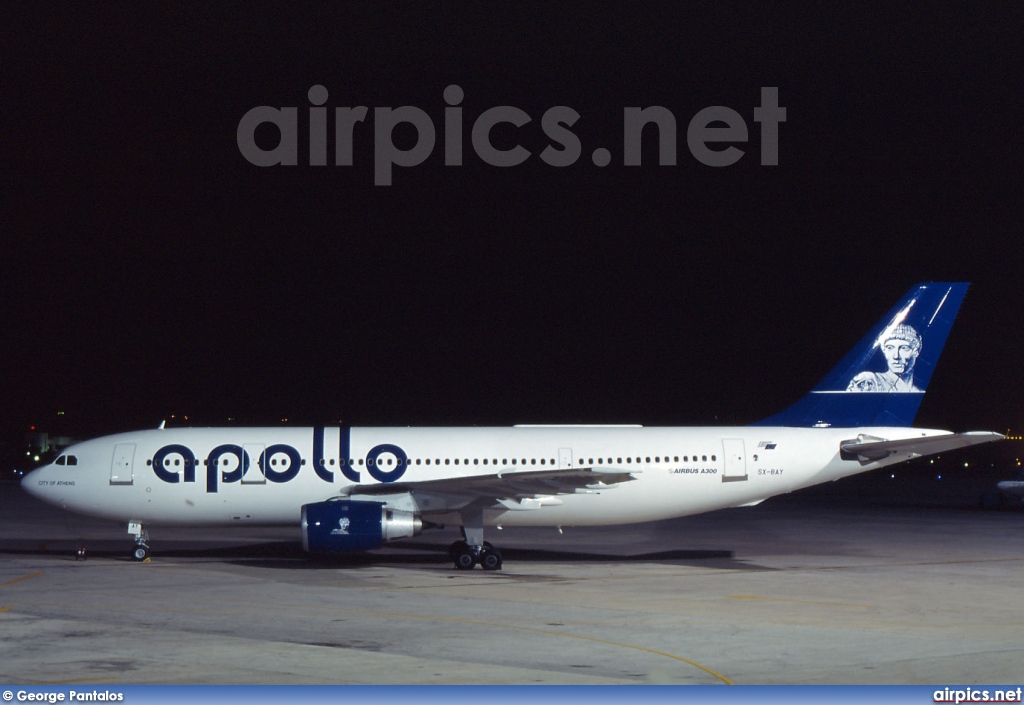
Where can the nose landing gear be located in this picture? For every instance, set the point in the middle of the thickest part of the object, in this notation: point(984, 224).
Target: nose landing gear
point(141, 550)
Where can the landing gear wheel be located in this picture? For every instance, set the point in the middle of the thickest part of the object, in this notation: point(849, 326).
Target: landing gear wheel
point(140, 552)
point(465, 559)
point(490, 559)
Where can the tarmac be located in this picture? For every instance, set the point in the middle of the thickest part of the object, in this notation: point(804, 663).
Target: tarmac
point(856, 583)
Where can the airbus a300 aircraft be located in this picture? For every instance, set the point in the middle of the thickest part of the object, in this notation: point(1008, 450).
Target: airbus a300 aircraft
point(354, 489)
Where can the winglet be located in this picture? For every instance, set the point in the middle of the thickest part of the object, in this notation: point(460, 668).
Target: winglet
point(882, 381)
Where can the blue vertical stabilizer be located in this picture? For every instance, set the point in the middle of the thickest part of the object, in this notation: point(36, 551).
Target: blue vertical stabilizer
point(882, 381)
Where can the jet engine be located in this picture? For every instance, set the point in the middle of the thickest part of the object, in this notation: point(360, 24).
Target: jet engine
point(346, 526)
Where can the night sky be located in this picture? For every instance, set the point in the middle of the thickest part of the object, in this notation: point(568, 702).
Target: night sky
point(150, 270)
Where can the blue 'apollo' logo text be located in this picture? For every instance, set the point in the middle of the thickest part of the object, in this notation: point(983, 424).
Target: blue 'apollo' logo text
point(257, 464)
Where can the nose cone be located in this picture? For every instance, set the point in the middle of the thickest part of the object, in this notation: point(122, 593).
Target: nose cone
point(31, 482)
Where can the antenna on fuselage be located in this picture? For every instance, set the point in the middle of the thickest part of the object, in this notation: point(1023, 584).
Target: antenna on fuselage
point(162, 424)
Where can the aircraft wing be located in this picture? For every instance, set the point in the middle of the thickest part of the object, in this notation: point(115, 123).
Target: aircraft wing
point(867, 449)
point(512, 489)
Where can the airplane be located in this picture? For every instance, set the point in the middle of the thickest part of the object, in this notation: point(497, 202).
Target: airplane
point(356, 489)
point(1010, 492)
point(1007, 494)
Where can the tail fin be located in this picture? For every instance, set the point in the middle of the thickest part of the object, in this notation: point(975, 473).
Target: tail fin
point(881, 382)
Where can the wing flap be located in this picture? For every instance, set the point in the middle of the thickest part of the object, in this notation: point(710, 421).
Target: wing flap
point(518, 490)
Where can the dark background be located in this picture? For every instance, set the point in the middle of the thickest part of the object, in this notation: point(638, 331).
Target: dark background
point(149, 270)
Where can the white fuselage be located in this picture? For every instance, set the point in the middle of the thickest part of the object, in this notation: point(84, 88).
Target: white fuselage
point(211, 476)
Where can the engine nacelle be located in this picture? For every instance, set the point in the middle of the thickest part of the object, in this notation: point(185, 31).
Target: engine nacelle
point(347, 526)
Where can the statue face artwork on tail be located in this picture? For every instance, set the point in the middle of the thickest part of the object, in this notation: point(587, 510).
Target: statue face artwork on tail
point(900, 349)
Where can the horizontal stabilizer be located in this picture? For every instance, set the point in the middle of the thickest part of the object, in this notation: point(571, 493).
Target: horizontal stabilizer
point(867, 449)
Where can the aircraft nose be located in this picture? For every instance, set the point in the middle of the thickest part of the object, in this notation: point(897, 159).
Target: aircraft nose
point(30, 483)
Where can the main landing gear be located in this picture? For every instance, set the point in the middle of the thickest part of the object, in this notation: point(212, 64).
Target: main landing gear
point(141, 550)
point(474, 550)
point(467, 557)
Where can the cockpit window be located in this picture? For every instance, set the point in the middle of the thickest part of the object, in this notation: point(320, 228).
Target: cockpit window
point(61, 460)
point(66, 460)
point(72, 460)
